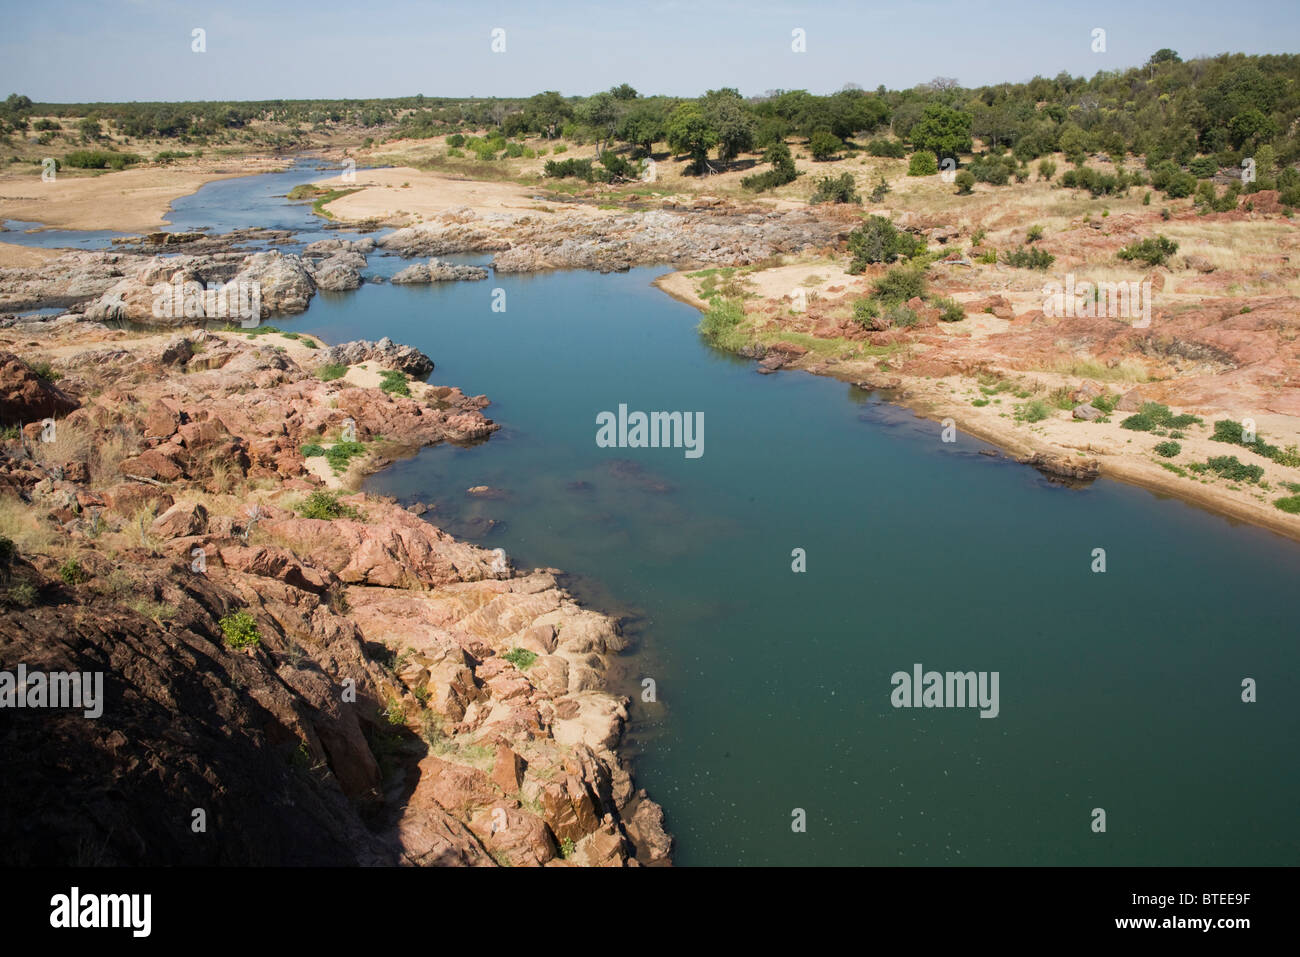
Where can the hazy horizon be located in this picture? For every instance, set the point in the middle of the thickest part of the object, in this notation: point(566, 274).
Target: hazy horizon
point(58, 53)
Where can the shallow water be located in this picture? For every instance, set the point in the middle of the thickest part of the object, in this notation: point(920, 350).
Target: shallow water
point(1119, 690)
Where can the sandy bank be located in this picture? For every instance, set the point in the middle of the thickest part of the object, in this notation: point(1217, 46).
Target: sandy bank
point(131, 200)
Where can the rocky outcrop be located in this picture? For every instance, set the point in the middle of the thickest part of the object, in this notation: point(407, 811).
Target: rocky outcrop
point(410, 699)
point(339, 273)
point(286, 284)
point(384, 353)
point(438, 271)
point(530, 243)
point(26, 397)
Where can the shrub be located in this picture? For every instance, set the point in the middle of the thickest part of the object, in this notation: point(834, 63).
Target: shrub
point(879, 191)
point(950, 310)
point(992, 170)
point(456, 140)
point(1229, 467)
point(22, 594)
point(339, 454)
point(1029, 258)
point(879, 241)
point(331, 371)
point(326, 505)
point(1034, 234)
point(823, 145)
point(7, 551)
point(1203, 167)
point(1153, 251)
point(311, 449)
point(1034, 411)
point(923, 164)
point(100, 159)
point(393, 381)
point(836, 189)
point(1226, 430)
point(900, 284)
point(901, 316)
point(240, 631)
point(521, 658)
point(782, 171)
point(865, 311)
point(72, 573)
point(1290, 504)
point(45, 372)
point(1168, 449)
point(1046, 169)
point(1180, 185)
point(894, 149)
point(1153, 415)
point(965, 182)
point(720, 321)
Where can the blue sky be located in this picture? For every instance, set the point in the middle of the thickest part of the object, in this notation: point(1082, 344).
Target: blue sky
point(110, 50)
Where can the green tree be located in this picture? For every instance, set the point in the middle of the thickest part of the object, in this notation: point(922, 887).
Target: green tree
point(965, 182)
point(943, 131)
point(689, 132)
point(727, 115)
point(824, 145)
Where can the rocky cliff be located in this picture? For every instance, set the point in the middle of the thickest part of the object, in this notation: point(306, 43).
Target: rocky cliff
point(294, 674)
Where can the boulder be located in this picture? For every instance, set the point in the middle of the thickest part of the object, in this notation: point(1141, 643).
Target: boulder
point(181, 520)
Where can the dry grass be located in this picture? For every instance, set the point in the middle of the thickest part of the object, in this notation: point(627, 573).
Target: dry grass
point(22, 524)
point(1087, 367)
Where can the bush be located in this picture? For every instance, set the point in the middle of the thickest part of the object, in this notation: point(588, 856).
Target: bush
point(965, 182)
point(950, 310)
point(240, 631)
point(340, 453)
point(1034, 411)
point(521, 658)
point(865, 312)
point(1226, 430)
point(311, 449)
point(894, 149)
point(1029, 258)
point(7, 551)
point(456, 140)
point(1203, 167)
point(720, 322)
point(901, 316)
point(836, 189)
point(900, 284)
point(1290, 504)
point(879, 241)
point(326, 505)
point(100, 159)
point(1034, 234)
point(1046, 169)
point(923, 164)
point(824, 145)
point(393, 381)
point(992, 170)
point(782, 171)
point(331, 371)
point(1152, 251)
point(879, 191)
point(1180, 185)
point(1168, 449)
point(1230, 468)
point(22, 594)
point(72, 573)
point(1152, 416)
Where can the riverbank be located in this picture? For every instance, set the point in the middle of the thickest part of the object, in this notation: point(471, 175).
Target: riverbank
point(130, 200)
point(189, 517)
